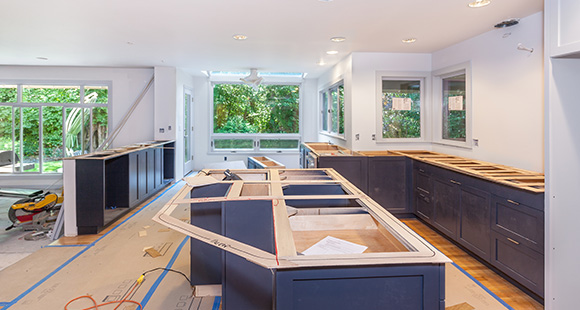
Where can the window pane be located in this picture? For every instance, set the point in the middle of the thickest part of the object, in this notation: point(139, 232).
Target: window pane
point(278, 144)
point(334, 109)
point(341, 109)
point(401, 101)
point(8, 93)
point(73, 131)
point(100, 128)
point(50, 94)
point(454, 108)
point(325, 111)
point(6, 156)
point(238, 108)
point(96, 94)
point(86, 130)
point(52, 139)
point(29, 137)
point(233, 144)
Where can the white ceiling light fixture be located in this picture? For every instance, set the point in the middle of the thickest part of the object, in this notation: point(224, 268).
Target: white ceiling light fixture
point(479, 3)
point(331, 52)
point(338, 39)
point(253, 79)
point(240, 37)
point(409, 40)
point(321, 63)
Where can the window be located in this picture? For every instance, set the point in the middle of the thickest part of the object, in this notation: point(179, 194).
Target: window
point(453, 98)
point(332, 110)
point(42, 123)
point(400, 108)
point(265, 118)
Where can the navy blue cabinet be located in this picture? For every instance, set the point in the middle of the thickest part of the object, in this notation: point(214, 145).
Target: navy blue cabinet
point(474, 219)
point(353, 168)
point(446, 204)
point(389, 179)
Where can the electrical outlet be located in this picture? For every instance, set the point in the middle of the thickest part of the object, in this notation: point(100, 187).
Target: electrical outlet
point(225, 158)
point(373, 137)
point(475, 142)
point(169, 127)
point(357, 137)
point(161, 130)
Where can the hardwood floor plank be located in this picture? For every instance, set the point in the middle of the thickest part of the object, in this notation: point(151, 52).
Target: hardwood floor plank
point(509, 293)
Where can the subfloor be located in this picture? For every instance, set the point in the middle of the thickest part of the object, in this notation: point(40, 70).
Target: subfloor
point(106, 266)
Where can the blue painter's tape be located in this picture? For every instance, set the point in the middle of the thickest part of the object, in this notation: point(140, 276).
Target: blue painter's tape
point(86, 247)
point(216, 303)
point(483, 287)
point(66, 245)
point(164, 273)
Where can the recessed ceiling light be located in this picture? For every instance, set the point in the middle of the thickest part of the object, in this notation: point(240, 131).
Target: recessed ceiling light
point(479, 3)
point(337, 39)
point(409, 40)
point(321, 63)
point(325, 0)
point(41, 58)
point(240, 37)
point(331, 52)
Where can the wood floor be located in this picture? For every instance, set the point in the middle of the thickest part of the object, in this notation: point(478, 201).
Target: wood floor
point(495, 283)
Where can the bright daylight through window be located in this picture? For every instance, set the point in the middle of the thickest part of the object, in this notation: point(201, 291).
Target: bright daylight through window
point(400, 109)
point(454, 108)
point(259, 118)
point(41, 124)
point(332, 110)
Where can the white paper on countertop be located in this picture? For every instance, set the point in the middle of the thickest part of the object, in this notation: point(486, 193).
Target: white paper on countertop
point(331, 245)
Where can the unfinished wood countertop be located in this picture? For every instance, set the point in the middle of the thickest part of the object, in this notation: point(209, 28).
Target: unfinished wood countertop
point(519, 178)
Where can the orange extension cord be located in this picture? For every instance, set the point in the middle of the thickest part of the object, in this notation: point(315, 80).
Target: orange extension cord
point(119, 302)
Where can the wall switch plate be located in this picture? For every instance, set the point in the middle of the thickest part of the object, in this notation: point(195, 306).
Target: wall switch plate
point(357, 137)
point(169, 127)
point(475, 142)
point(161, 130)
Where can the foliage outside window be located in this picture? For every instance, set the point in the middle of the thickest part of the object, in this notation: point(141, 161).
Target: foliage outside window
point(454, 108)
point(41, 124)
point(265, 118)
point(401, 109)
point(332, 109)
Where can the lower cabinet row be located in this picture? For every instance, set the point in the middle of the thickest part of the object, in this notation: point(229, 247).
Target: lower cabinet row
point(503, 226)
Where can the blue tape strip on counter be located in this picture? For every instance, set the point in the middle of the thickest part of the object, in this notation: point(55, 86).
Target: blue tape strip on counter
point(66, 245)
point(216, 303)
point(164, 273)
point(483, 287)
point(86, 247)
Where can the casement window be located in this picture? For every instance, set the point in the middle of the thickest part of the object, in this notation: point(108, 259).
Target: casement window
point(332, 110)
point(40, 123)
point(401, 113)
point(452, 95)
point(249, 119)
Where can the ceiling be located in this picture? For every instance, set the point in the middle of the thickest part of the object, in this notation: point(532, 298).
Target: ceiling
point(195, 35)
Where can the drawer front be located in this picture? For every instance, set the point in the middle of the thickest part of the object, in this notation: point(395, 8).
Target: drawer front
point(519, 262)
point(422, 180)
point(423, 205)
point(519, 222)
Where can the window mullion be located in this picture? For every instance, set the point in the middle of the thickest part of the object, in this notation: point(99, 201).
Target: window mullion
point(41, 140)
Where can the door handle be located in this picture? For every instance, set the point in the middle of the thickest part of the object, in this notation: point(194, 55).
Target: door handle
point(455, 182)
point(513, 241)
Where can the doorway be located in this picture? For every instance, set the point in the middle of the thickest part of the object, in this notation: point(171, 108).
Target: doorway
point(187, 130)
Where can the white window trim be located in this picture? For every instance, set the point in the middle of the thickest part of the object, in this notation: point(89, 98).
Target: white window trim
point(329, 131)
point(82, 84)
point(438, 77)
point(425, 80)
point(256, 137)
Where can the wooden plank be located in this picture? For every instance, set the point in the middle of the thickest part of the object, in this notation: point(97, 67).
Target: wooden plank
point(332, 222)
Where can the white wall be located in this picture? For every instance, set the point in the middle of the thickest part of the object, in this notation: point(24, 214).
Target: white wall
point(507, 94)
point(127, 84)
point(562, 163)
point(364, 101)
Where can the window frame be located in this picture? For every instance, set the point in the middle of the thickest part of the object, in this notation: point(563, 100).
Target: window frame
point(438, 76)
point(255, 137)
point(40, 105)
point(424, 79)
point(329, 113)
